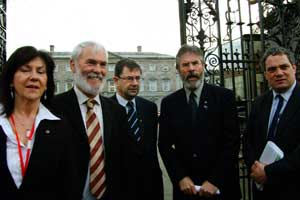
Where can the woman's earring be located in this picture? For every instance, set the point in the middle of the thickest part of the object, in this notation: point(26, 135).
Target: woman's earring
point(45, 95)
point(12, 92)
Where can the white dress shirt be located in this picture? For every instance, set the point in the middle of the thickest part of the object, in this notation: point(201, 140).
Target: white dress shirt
point(82, 98)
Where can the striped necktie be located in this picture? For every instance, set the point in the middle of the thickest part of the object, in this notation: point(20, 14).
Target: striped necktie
point(133, 121)
point(97, 174)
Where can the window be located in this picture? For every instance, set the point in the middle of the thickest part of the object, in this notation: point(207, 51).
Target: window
point(152, 85)
point(111, 68)
point(152, 67)
point(56, 67)
point(165, 85)
point(178, 82)
point(67, 67)
point(164, 68)
point(68, 85)
point(142, 88)
point(111, 86)
point(56, 87)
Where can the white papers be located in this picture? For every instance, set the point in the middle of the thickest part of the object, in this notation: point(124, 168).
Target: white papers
point(198, 187)
point(270, 154)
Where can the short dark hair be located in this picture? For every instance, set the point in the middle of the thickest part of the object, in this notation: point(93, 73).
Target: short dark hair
point(18, 58)
point(126, 62)
point(277, 50)
point(191, 49)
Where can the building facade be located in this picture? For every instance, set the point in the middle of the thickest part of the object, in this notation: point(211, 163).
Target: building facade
point(159, 77)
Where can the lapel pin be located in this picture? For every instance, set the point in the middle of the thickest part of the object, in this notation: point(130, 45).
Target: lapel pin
point(205, 106)
point(47, 132)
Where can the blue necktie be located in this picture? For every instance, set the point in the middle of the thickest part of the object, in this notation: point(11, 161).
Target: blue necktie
point(133, 121)
point(275, 120)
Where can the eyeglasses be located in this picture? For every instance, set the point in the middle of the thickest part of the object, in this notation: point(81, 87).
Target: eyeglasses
point(131, 78)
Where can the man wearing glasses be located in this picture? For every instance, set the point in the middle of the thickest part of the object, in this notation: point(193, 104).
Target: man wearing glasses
point(145, 176)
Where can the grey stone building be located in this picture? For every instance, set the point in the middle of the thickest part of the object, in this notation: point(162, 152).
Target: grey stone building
point(159, 77)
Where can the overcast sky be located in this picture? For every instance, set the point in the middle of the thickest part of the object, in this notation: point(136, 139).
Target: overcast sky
point(120, 25)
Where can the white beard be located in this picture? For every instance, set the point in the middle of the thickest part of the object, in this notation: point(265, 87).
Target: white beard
point(81, 82)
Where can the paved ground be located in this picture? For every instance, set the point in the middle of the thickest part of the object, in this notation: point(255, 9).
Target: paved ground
point(167, 182)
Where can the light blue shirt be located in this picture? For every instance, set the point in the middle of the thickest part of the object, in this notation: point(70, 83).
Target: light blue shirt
point(123, 102)
point(286, 96)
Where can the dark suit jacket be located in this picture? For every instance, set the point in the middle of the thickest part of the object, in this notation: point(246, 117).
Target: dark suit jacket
point(115, 131)
point(283, 176)
point(207, 150)
point(51, 172)
point(145, 176)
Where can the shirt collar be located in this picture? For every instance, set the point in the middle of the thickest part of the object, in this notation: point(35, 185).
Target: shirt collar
point(122, 101)
point(43, 113)
point(82, 98)
point(198, 90)
point(286, 95)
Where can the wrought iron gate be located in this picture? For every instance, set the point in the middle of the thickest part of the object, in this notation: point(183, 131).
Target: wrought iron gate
point(233, 35)
point(2, 33)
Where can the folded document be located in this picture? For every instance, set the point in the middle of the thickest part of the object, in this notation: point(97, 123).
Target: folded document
point(198, 187)
point(270, 154)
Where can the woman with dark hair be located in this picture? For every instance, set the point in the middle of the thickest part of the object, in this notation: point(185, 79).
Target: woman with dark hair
point(37, 158)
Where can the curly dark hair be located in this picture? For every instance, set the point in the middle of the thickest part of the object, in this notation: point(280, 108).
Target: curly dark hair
point(18, 58)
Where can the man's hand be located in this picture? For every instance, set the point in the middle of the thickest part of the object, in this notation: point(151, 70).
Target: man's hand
point(258, 172)
point(187, 186)
point(208, 189)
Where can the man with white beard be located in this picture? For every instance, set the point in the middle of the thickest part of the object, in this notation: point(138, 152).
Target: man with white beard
point(99, 123)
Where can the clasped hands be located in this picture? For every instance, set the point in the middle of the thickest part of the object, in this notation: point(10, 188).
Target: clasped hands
point(187, 186)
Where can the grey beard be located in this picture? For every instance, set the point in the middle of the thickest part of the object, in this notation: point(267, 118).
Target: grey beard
point(81, 82)
point(194, 85)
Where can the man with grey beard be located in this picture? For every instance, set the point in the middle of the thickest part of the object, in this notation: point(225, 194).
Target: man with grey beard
point(100, 125)
point(199, 135)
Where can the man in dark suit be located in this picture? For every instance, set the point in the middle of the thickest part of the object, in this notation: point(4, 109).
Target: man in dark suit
point(88, 64)
point(198, 134)
point(280, 179)
point(145, 180)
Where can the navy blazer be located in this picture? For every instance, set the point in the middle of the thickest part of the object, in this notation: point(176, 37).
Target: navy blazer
point(51, 172)
point(115, 131)
point(207, 150)
point(282, 176)
point(144, 171)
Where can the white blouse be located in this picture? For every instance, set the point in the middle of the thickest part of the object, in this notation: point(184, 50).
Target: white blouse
point(12, 154)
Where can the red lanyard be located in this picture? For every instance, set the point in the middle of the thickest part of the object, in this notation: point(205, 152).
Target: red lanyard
point(29, 145)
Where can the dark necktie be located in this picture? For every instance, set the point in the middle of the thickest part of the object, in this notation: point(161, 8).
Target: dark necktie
point(275, 120)
point(193, 106)
point(134, 127)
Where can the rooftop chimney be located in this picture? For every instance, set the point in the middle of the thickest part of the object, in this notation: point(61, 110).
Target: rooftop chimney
point(139, 49)
point(51, 48)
